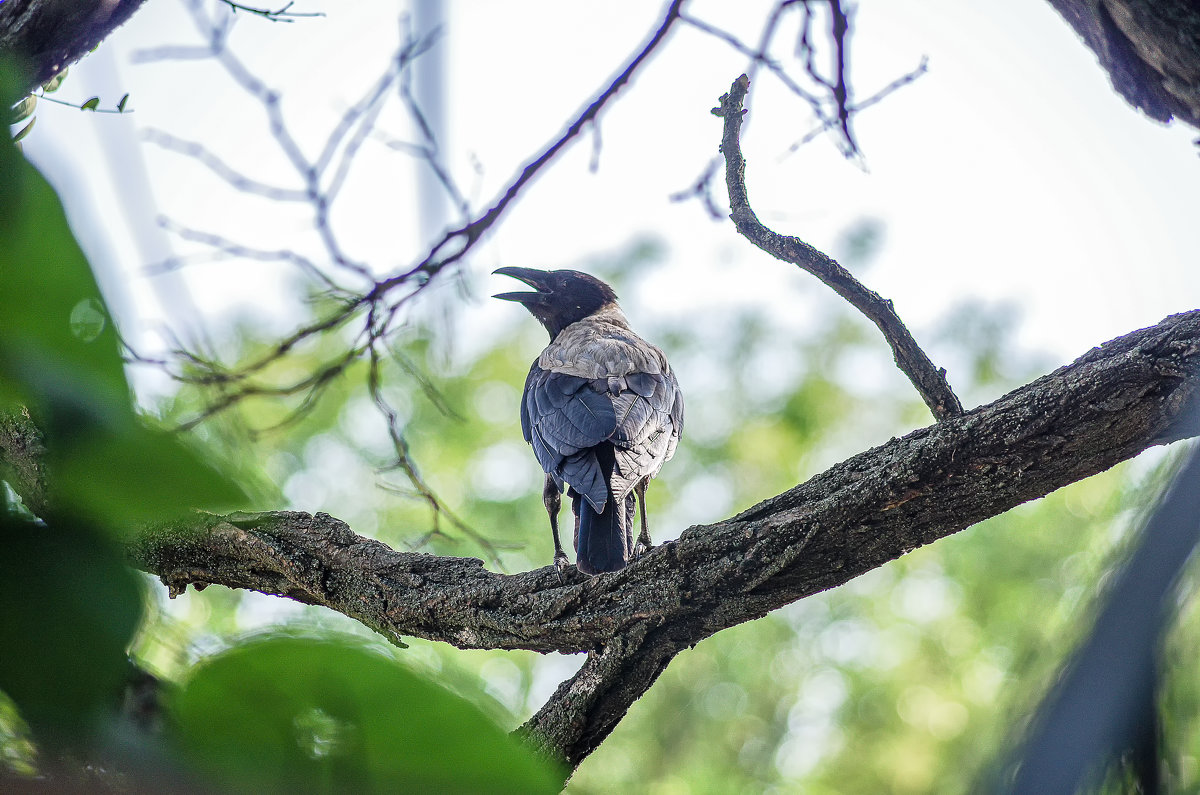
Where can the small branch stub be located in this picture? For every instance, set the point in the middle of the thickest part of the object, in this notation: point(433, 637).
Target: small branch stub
point(929, 381)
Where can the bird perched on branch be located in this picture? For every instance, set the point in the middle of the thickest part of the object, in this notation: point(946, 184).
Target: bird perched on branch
point(601, 409)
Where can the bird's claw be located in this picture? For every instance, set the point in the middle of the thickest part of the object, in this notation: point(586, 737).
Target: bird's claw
point(560, 564)
point(641, 548)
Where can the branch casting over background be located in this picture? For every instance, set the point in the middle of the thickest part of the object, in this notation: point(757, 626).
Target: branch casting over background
point(1106, 407)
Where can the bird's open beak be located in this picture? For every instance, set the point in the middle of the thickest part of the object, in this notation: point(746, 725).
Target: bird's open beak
point(534, 278)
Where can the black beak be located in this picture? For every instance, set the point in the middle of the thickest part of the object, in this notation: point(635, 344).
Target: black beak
point(538, 280)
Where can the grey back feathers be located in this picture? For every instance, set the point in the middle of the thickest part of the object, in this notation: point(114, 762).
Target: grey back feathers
point(599, 382)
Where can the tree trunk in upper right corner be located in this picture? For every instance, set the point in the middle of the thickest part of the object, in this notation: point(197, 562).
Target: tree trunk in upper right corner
point(1150, 49)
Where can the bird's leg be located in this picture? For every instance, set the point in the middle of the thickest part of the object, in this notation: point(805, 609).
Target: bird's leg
point(643, 543)
point(552, 498)
point(575, 498)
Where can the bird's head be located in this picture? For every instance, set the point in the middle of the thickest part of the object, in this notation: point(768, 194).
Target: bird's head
point(561, 298)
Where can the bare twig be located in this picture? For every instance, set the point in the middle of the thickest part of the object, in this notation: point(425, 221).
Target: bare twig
point(702, 190)
point(405, 463)
point(929, 381)
point(230, 175)
point(280, 15)
point(875, 98)
point(223, 248)
point(303, 386)
point(758, 57)
point(833, 105)
point(841, 89)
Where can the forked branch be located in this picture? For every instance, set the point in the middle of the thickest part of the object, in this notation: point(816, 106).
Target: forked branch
point(929, 380)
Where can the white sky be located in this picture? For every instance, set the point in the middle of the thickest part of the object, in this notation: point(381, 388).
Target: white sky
point(1010, 171)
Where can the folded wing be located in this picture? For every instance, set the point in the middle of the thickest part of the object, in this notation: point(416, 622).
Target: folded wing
point(565, 417)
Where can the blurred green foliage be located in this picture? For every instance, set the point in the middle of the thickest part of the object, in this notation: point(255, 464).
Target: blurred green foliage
point(68, 604)
point(59, 358)
point(277, 714)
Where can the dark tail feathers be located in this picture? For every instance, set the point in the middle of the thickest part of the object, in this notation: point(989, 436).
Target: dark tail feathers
point(604, 541)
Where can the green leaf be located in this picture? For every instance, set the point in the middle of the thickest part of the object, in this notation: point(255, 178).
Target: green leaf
point(22, 109)
point(68, 610)
point(46, 278)
point(51, 85)
point(121, 104)
point(91, 104)
point(59, 357)
point(25, 130)
point(285, 713)
point(137, 474)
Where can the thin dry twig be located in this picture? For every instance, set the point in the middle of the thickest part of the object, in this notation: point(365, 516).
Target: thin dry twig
point(404, 462)
point(702, 189)
point(856, 107)
point(832, 105)
point(929, 381)
point(380, 301)
point(227, 173)
point(759, 57)
point(222, 248)
point(282, 14)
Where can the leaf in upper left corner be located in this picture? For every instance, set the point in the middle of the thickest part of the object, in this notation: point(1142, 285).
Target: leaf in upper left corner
point(133, 473)
point(52, 85)
point(60, 358)
point(24, 130)
point(22, 109)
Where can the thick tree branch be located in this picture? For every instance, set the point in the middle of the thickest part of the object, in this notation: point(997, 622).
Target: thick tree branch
point(23, 458)
point(1150, 49)
point(930, 381)
point(586, 707)
point(1106, 407)
point(49, 35)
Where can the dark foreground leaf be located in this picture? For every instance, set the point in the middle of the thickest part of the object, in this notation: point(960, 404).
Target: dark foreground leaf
point(292, 714)
point(68, 609)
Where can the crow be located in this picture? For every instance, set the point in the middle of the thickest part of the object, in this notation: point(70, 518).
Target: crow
point(602, 410)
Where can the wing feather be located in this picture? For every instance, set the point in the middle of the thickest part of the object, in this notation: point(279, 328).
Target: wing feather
point(565, 416)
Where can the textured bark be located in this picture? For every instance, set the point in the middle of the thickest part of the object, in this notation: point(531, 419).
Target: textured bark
point(23, 459)
point(1106, 407)
point(45, 36)
point(1150, 49)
